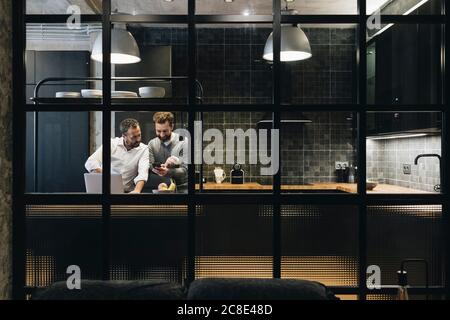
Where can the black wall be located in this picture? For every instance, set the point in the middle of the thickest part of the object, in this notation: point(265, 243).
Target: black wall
point(57, 142)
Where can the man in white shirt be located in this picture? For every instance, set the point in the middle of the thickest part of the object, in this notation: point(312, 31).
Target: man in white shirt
point(129, 157)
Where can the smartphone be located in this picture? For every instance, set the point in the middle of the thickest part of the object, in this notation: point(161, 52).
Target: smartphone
point(156, 165)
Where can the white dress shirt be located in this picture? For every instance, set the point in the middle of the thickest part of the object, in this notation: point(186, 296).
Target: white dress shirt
point(132, 164)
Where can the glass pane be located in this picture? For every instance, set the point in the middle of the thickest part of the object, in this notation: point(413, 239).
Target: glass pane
point(155, 71)
point(317, 7)
point(136, 238)
point(158, 7)
point(318, 152)
point(230, 64)
point(396, 233)
point(404, 64)
point(54, 50)
point(54, 243)
point(239, 151)
point(238, 7)
point(403, 7)
point(323, 69)
point(150, 152)
point(403, 152)
point(320, 243)
point(224, 246)
point(63, 7)
point(57, 147)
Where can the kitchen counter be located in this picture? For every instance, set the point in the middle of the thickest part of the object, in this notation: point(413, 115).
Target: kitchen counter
point(332, 186)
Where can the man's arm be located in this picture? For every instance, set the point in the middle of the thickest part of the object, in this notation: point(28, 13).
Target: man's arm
point(94, 162)
point(142, 176)
point(151, 155)
point(139, 187)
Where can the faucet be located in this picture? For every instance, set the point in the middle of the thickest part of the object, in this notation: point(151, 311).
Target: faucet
point(437, 187)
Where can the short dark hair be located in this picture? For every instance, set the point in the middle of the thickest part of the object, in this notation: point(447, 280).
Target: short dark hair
point(127, 124)
point(163, 117)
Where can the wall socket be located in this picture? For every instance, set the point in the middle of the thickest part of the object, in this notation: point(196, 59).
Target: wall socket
point(341, 164)
point(406, 168)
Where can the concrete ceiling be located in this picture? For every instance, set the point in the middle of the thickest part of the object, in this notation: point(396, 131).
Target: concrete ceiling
point(203, 6)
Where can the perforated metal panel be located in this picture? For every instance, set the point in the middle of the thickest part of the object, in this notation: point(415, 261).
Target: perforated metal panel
point(387, 297)
point(149, 242)
point(403, 232)
point(320, 243)
point(234, 241)
point(60, 236)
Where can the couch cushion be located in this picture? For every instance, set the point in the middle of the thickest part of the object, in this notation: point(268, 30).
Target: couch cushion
point(113, 290)
point(258, 289)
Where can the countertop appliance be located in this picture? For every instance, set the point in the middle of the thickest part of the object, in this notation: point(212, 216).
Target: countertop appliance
point(237, 174)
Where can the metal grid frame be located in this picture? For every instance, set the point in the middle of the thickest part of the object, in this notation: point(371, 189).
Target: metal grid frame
point(361, 199)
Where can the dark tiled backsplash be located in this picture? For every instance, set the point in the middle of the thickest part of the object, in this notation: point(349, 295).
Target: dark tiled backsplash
point(231, 69)
point(308, 151)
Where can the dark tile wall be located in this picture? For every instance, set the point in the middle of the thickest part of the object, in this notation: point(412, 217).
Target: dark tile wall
point(308, 151)
point(232, 71)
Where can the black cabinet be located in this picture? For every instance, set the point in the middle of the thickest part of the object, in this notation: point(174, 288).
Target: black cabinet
point(407, 65)
point(57, 142)
point(60, 64)
point(403, 122)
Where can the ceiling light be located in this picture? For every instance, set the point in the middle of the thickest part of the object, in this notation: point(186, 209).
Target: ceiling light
point(294, 42)
point(124, 49)
point(294, 45)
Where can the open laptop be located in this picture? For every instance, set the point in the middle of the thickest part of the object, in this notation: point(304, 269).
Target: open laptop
point(93, 183)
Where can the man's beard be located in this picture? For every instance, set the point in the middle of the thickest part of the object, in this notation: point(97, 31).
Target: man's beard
point(165, 139)
point(133, 145)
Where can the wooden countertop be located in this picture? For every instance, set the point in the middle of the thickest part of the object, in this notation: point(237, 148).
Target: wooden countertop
point(347, 187)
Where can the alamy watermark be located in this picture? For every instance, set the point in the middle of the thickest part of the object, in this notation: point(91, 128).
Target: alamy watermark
point(74, 280)
point(74, 20)
point(252, 146)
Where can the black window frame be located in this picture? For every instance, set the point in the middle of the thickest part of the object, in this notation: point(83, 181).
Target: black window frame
point(192, 198)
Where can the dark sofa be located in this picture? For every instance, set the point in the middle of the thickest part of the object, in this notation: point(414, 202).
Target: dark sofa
point(202, 289)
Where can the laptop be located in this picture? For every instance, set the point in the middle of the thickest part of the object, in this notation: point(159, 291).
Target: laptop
point(93, 183)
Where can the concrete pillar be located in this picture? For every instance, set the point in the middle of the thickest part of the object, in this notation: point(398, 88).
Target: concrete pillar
point(6, 145)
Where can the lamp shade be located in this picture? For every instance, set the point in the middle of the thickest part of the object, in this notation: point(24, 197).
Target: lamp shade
point(124, 49)
point(294, 45)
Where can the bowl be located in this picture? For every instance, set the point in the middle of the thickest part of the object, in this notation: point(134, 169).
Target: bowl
point(152, 92)
point(63, 94)
point(370, 185)
point(91, 93)
point(123, 94)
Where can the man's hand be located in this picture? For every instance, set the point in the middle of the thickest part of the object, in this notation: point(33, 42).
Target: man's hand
point(172, 161)
point(98, 170)
point(161, 171)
